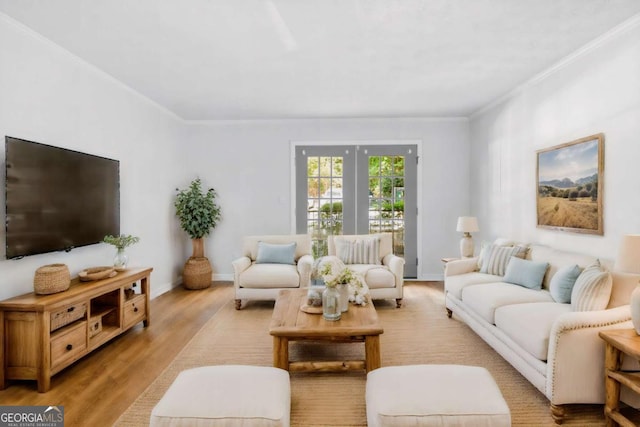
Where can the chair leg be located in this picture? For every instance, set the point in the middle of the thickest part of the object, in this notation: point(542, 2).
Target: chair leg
point(449, 313)
point(398, 302)
point(557, 413)
point(238, 304)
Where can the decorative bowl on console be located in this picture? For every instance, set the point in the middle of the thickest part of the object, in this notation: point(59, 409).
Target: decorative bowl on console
point(96, 273)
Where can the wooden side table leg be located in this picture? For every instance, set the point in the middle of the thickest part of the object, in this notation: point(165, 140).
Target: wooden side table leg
point(281, 352)
point(372, 352)
point(612, 362)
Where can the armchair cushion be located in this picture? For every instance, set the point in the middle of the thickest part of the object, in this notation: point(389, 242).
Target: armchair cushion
point(375, 276)
point(269, 276)
point(270, 253)
point(365, 250)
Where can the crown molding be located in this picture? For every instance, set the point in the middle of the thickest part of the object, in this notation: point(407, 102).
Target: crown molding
point(92, 68)
point(616, 32)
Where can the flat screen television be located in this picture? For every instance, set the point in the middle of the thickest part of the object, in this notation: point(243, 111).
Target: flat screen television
point(57, 199)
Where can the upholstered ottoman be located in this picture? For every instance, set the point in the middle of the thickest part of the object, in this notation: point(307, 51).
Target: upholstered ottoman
point(226, 395)
point(434, 395)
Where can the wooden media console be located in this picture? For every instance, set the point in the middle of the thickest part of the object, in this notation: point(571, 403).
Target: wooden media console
point(43, 334)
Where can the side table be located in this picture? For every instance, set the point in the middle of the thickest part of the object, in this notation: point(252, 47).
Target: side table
point(619, 342)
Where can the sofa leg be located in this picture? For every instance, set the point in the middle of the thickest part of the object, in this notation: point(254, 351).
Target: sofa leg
point(398, 302)
point(238, 304)
point(557, 413)
point(449, 313)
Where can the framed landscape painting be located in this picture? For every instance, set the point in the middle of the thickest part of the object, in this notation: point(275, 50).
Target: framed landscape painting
point(569, 186)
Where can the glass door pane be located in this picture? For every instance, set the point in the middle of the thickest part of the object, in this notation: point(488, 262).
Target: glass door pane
point(327, 201)
point(386, 198)
point(390, 172)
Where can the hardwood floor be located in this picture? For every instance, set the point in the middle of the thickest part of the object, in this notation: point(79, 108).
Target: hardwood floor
point(96, 390)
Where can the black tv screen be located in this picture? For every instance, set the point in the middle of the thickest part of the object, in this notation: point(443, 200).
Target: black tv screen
point(57, 199)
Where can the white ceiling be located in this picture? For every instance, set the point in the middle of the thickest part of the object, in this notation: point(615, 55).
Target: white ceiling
point(263, 59)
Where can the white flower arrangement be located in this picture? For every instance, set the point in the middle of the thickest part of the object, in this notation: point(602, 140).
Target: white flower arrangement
point(334, 272)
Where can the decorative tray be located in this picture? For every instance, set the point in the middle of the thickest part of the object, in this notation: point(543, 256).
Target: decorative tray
point(310, 309)
point(96, 273)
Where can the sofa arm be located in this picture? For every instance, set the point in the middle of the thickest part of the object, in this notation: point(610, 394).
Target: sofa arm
point(396, 265)
point(305, 265)
point(575, 363)
point(461, 266)
point(239, 265)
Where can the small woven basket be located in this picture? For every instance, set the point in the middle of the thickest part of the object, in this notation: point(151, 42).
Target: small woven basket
point(197, 273)
point(51, 278)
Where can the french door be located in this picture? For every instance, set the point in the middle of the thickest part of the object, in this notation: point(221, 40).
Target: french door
point(364, 189)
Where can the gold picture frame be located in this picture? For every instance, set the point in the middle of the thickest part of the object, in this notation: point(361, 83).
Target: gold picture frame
point(569, 186)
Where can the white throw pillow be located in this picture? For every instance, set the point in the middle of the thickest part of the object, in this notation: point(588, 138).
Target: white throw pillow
point(592, 289)
point(364, 250)
point(497, 258)
point(500, 241)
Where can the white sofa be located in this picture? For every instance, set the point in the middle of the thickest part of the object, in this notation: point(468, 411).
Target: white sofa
point(263, 281)
point(385, 278)
point(558, 350)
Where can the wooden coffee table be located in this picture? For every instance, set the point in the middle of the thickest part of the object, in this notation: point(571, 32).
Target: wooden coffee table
point(289, 323)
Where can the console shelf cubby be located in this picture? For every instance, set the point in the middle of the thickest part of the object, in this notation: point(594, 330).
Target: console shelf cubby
point(43, 334)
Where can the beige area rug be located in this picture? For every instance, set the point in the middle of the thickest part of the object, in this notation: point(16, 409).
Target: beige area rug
point(418, 333)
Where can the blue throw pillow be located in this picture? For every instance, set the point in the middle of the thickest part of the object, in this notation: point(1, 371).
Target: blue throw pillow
point(562, 283)
point(525, 273)
point(270, 253)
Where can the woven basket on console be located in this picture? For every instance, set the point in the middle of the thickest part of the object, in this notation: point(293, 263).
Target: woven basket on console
point(197, 273)
point(51, 278)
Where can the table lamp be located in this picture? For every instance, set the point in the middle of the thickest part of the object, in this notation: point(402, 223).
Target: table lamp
point(467, 225)
point(629, 262)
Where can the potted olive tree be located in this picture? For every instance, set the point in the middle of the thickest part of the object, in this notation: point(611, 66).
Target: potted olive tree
point(198, 214)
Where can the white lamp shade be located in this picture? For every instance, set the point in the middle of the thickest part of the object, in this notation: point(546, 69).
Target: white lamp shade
point(467, 224)
point(629, 256)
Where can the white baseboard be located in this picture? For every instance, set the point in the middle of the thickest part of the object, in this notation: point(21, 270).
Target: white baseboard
point(432, 277)
point(156, 290)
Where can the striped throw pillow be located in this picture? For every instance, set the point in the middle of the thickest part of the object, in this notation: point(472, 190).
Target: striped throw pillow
point(496, 258)
point(358, 251)
point(592, 289)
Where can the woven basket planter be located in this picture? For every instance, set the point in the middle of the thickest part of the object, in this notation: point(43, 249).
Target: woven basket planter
point(51, 278)
point(197, 273)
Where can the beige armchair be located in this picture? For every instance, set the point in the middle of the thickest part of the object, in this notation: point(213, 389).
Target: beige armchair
point(255, 279)
point(385, 277)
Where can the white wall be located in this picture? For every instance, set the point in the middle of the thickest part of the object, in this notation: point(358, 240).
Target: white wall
point(598, 90)
point(249, 164)
point(49, 96)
